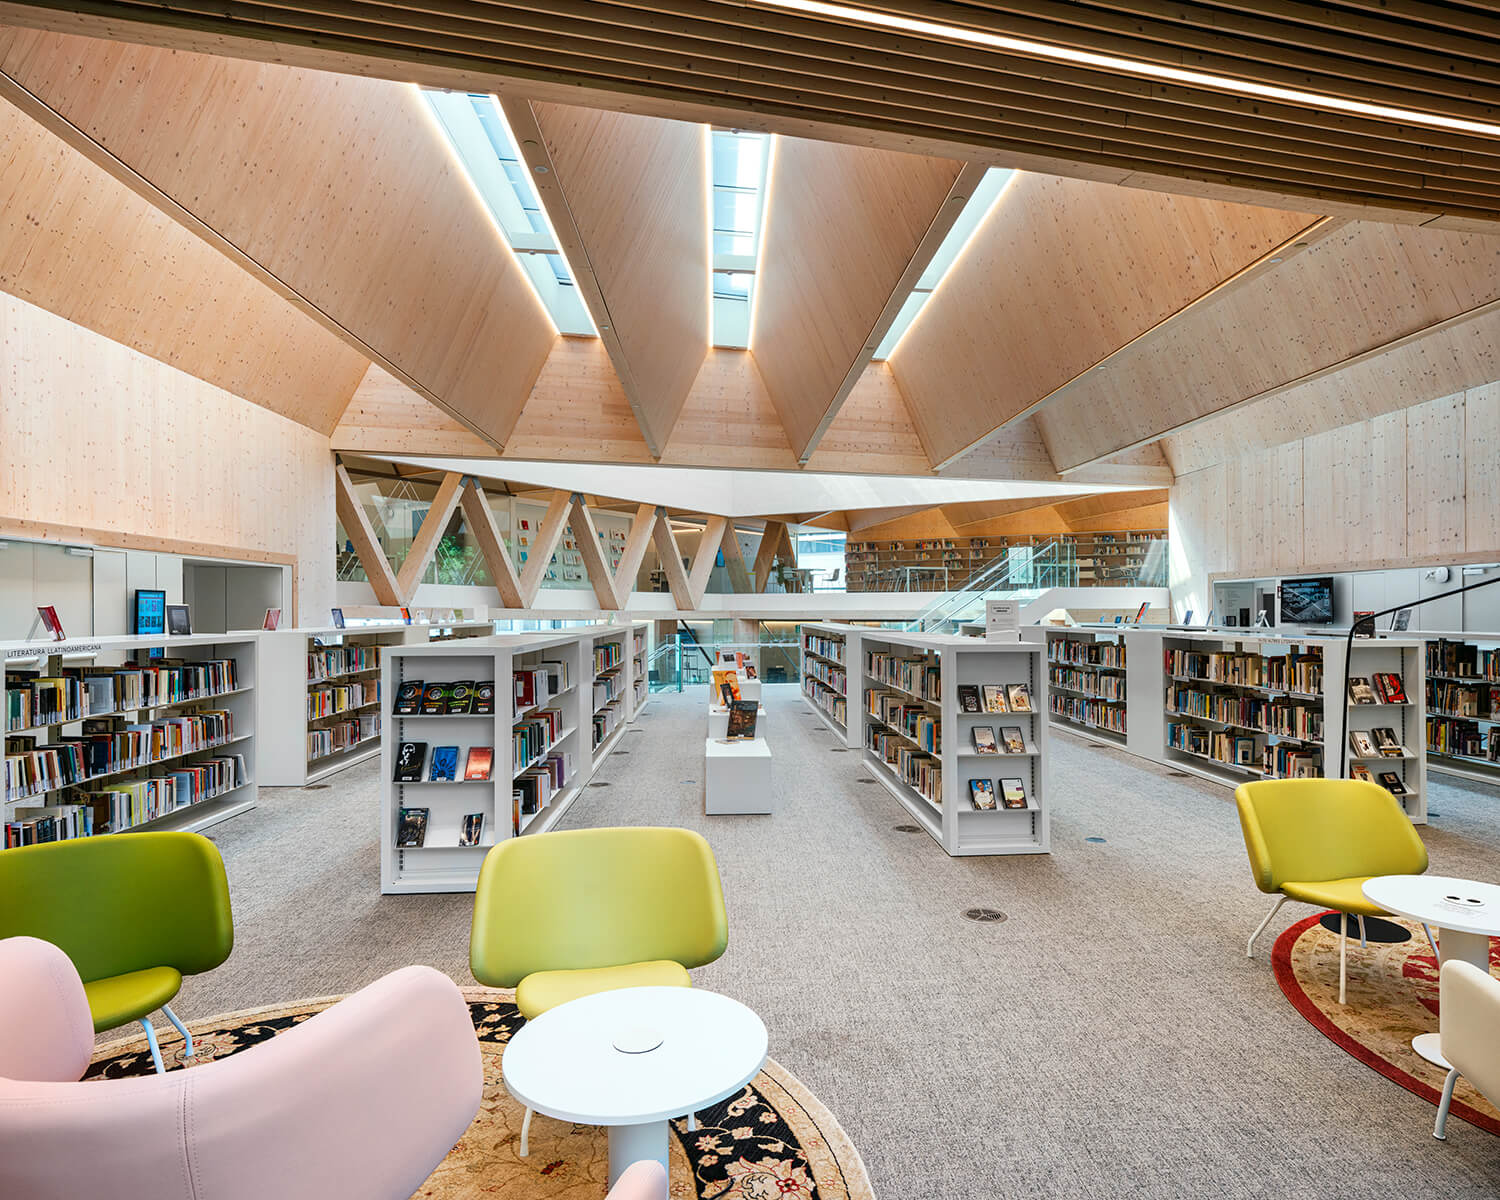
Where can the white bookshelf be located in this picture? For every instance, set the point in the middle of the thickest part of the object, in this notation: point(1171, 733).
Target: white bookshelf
point(308, 697)
point(441, 864)
point(830, 658)
point(1087, 683)
point(640, 658)
point(52, 659)
point(609, 668)
point(948, 815)
point(1456, 664)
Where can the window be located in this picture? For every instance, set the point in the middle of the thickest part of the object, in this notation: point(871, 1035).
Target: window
point(738, 176)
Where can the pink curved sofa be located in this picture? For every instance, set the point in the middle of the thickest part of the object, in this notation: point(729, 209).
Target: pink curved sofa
point(360, 1102)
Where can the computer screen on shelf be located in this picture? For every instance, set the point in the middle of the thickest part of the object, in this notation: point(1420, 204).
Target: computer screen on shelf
point(1307, 601)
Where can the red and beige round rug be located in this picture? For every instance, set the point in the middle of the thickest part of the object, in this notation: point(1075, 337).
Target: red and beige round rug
point(1393, 996)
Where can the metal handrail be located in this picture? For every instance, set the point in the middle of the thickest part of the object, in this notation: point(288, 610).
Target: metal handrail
point(1050, 565)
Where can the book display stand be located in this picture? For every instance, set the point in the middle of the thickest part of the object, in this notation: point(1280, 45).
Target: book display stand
point(737, 774)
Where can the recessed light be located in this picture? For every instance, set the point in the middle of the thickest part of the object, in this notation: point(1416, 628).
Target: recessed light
point(1276, 259)
point(539, 169)
point(604, 327)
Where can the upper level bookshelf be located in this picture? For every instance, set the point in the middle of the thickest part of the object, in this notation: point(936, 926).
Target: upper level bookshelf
point(947, 564)
point(101, 737)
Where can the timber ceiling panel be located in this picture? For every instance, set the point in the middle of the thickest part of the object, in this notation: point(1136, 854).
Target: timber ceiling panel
point(340, 188)
point(1059, 276)
point(1360, 288)
point(873, 431)
point(636, 191)
point(847, 232)
point(386, 417)
point(76, 242)
point(759, 66)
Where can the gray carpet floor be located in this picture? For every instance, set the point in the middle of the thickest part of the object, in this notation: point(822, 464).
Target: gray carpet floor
point(1109, 1038)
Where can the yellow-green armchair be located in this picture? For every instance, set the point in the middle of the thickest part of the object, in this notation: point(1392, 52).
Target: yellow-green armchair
point(564, 915)
point(1319, 840)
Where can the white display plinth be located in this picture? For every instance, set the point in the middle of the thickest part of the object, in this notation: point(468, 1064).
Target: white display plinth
point(718, 721)
point(737, 777)
point(749, 689)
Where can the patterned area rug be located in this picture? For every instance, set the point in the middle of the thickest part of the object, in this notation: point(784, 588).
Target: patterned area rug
point(1393, 996)
point(771, 1141)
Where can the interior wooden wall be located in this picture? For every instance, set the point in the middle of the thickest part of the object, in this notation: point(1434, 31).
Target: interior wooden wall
point(102, 437)
point(1421, 483)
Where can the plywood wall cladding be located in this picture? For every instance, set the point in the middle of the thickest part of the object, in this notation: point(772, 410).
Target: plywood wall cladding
point(76, 242)
point(635, 189)
point(873, 430)
point(1059, 276)
point(846, 235)
point(385, 416)
point(1358, 290)
point(340, 187)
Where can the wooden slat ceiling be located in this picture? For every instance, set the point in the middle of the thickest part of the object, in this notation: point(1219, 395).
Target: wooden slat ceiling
point(339, 189)
point(759, 66)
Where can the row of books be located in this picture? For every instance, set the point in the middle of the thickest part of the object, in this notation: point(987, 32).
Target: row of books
point(833, 703)
point(1381, 742)
point(1279, 715)
point(1011, 741)
point(535, 788)
point(535, 685)
point(32, 699)
point(411, 761)
point(918, 676)
point(411, 828)
point(1095, 713)
point(1090, 683)
point(1463, 661)
point(329, 662)
point(1462, 739)
point(605, 722)
point(460, 697)
point(1283, 761)
point(827, 647)
point(49, 823)
point(107, 749)
point(607, 688)
point(994, 698)
point(1463, 699)
point(916, 769)
point(126, 805)
point(530, 737)
point(1291, 672)
point(341, 736)
point(607, 655)
point(1278, 760)
point(915, 721)
point(329, 701)
point(1383, 688)
point(826, 673)
point(983, 795)
point(1082, 653)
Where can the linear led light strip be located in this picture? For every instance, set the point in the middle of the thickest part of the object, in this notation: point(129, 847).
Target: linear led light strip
point(1109, 62)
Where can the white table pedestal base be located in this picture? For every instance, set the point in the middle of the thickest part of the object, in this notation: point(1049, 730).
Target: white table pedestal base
point(633, 1143)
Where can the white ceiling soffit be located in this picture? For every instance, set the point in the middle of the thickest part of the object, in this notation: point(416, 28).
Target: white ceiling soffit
point(751, 493)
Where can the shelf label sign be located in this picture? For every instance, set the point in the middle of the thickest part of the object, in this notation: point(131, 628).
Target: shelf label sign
point(1001, 617)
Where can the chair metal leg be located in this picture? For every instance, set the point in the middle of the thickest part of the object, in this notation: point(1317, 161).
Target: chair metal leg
point(181, 1028)
point(155, 1049)
point(526, 1134)
point(1363, 945)
point(1261, 928)
point(1440, 1126)
point(1431, 941)
point(1343, 951)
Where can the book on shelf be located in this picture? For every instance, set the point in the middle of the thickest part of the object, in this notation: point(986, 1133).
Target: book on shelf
point(410, 757)
point(460, 697)
point(1244, 751)
point(444, 766)
point(1014, 743)
point(272, 619)
point(1361, 691)
point(1019, 696)
point(409, 698)
point(968, 698)
point(484, 698)
point(338, 617)
point(726, 684)
point(1362, 744)
point(480, 762)
point(1392, 783)
point(434, 699)
point(1013, 793)
point(412, 828)
point(472, 830)
point(984, 740)
point(982, 794)
point(1387, 743)
point(741, 723)
point(994, 698)
point(1360, 771)
point(1390, 689)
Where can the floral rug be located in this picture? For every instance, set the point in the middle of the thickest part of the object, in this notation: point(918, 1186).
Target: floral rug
point(773, 1140)
point(1393, 996)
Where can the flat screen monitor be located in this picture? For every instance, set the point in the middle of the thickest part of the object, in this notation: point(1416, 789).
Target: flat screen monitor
point(1307, 601)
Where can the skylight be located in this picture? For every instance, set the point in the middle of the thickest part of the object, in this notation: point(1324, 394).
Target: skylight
point(738, 179)
point(482, 140)
point(948, 253)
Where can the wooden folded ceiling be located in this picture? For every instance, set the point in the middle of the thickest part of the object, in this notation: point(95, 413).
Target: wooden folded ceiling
point(757, 66)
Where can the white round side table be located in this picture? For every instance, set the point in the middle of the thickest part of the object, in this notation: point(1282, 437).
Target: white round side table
point(632, 1059)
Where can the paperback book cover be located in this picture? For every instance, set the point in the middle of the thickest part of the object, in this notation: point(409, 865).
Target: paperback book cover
point(481, 759)
point(1014, 793)
point(968, 698)
point(994, 698)
point(408, 698)
point(1360, 691)
point(1014, 742)
point(1020, 697)
point(435, 699)
point(472, 830)
point(726, 684)
point(1392, 783)
point(460, 697)
point(1388, 743)
point(444, 763)
point(1361, 744)
point(412, 830)
point(741, 723)
point(409, 759)
point(1360, 771)
point(484, 698)
point(984, 740)
point(982, 794)
point(1390, 688)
